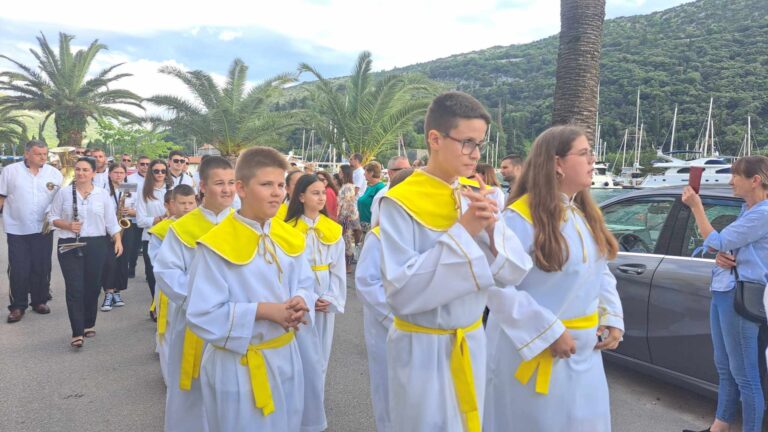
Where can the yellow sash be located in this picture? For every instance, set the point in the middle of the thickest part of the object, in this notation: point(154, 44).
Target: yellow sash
point(321, 267)
point(190, 227)
point(430, 201)
point(461, 367)
point(257, 369)
point(162, 314)
point(191, 356)
point(238, 243)
point(544, 361)
point(160, 229)
point(326, 229)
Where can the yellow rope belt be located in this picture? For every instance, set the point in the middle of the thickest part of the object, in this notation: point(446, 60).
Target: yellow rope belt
point(257, 369)
point(162, 314)
point(544, 361)
point(461, 368)
point(191, 356)
point(321, 267)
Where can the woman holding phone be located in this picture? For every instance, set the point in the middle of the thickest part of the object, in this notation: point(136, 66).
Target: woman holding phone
point(742, 244)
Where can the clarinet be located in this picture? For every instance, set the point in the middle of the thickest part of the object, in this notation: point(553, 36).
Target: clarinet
point(78, 251)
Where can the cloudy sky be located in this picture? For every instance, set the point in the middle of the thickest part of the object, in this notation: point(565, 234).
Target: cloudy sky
point(273, 37)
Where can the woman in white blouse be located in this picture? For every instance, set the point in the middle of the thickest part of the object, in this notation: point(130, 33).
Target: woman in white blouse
point(82, 266)
point(150, 210)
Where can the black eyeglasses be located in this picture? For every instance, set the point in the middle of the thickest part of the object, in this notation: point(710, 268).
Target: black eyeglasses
point(468, 146)
point(181, 161)
point(126, 160)
point(143, 163)
point(159, 171)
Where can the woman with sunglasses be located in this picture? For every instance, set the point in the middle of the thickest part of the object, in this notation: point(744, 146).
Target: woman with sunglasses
point(83, 213)
point(150, 210)
point(137, 178)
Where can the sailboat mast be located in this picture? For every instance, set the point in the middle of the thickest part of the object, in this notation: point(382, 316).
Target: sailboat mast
point(639, 147)
point(637, 117)
point(674, 123)
point(749, 136)
point(706, 134)
point(624, 145)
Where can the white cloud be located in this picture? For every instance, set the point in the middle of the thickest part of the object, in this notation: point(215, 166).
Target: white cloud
point(229, 35)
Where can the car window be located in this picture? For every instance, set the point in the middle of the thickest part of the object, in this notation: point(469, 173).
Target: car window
point(720, 214)
point(637, 224)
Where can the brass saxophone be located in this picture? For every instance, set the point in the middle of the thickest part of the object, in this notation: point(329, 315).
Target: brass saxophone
point(124, 222)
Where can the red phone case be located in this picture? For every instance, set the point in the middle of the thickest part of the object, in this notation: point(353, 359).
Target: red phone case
point(694, 180)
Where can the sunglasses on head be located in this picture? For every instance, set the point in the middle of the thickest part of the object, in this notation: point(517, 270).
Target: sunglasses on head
point(181, 161)
point(159, 171)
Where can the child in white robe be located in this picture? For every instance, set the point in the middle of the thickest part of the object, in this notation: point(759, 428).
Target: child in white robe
point(184, 401)
point(249, 287)
point(177, 203)
point(377, 318)
point(436, 275)
point(325, 253)
point(545, 368)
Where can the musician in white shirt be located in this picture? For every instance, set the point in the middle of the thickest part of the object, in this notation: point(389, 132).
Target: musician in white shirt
point(132, 249)
point(177, 174)
point(150, 209)
point(101, 176)
point(26, 191)
point(84, 213)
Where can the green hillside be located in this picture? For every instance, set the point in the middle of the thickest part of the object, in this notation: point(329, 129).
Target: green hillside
point(683, 55)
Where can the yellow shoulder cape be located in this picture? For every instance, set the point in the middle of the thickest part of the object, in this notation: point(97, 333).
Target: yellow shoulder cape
point(160, 229)
point(191, 227)
point(328, 231)
point(282, 211)
point(376, 231)
point(471, 182)
point(238, 243)
point(430, 201)
point(522, 206)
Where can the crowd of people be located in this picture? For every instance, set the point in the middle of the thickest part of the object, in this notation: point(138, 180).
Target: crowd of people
point(247, 266)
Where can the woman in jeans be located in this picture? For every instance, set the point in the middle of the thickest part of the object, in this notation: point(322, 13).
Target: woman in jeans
point(742, 244)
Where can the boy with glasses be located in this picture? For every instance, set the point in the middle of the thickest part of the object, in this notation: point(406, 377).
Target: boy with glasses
point(176, 163)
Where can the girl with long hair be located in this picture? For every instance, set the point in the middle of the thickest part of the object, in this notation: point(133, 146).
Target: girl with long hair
point(114, 280)
point(84, 215)
point(348, 216)
point(325, 252)
point(150, 209)
point(546, 331)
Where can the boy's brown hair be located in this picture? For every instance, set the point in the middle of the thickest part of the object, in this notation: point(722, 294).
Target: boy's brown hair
point(447, 109)
point(255, 158)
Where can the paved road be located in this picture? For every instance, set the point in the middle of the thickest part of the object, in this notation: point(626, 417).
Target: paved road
point(114, 383)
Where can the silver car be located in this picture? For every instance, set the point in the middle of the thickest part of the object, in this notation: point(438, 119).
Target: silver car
point(663, 275)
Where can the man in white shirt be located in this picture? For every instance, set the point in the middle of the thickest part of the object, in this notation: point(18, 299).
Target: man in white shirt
point(394, 166)
point(26, 191)
point(142, 167)
point(358, 174)
point(176, 162)
point(127, 161)
point(511, 168)
point(101, 176)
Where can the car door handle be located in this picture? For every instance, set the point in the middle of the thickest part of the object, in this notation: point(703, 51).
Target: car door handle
point(633, 269)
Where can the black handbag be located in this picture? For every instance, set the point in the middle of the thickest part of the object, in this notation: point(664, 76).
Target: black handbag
point(748, 301)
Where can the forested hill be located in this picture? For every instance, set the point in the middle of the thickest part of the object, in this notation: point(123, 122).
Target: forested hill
point(683, 55)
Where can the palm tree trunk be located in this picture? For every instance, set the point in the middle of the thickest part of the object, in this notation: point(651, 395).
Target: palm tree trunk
point(578, 63)
point(70, 128)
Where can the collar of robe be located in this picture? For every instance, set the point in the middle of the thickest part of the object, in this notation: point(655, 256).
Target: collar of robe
point(376, 231)
point(282, 211)
point(193, 225)
point(239, 243)
point(474, 184)
point(160, 229)
point(522, 206)
point(326, 230)
point(430, 201)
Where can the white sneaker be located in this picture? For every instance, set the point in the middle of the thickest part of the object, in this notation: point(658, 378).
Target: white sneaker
point(117, 301)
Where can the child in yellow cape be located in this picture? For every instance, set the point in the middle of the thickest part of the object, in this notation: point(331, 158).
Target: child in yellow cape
point(249, 286)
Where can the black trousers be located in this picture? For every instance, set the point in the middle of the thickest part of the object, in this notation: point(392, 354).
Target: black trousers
point(82, 278)
point(29, 269)
point(115, 274)
point(148, 269)
point(133, 247)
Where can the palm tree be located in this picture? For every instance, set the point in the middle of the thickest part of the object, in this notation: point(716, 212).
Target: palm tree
point(59, 87)
point(229, 118)
point(13, 130)
point(578, 63)
point(368, 116)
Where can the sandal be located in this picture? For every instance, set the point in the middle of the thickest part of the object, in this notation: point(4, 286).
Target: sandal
point(89, 333)
point(77, 342)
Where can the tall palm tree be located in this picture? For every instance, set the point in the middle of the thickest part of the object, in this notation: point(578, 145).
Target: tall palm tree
point(368, 115)
point(13, 130)
point(59, 87)
point(229, 118)
point(578, 63)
